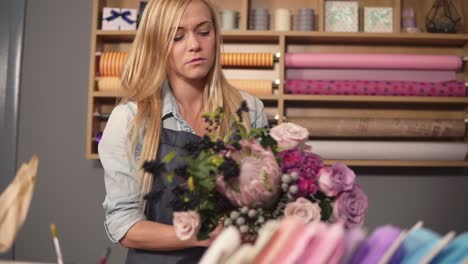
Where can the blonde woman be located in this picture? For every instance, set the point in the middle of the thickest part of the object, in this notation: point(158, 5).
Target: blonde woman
point(172, 76)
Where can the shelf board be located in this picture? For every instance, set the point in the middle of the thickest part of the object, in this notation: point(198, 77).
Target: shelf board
point(377, 99)
point(373, 163)
point(257, 36)
point(267, 97)
point(421, 39)
point(123, 35)
point(399, 163)
point(107, 94)
point(92, 156)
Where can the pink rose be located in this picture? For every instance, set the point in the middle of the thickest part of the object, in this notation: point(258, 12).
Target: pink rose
point(335, 179)
point(258, 182)
point(351, 207)
point(186, 224)
point(289, 135)
point(304, 209)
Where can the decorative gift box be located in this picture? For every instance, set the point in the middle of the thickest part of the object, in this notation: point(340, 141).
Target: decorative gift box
point(118, 18)
point(341, 16)
point(378, 19)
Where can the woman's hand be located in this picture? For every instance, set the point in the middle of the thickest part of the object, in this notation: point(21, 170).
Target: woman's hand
point(213, 235)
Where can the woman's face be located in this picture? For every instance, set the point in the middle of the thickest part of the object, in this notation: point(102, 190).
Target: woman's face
point(193, 48)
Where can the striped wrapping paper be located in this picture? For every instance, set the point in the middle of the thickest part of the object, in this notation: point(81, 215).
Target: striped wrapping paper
point(390, 150)
point(380, 128)
point(262, 60)
point(392, 88)
point(253, 87)
point(111, 63)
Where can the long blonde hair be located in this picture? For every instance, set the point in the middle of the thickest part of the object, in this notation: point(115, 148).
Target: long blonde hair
point(145, 72)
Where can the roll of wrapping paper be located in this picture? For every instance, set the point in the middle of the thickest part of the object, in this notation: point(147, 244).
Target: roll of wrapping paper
point(111, 63)
point(247, 59)
point(371, 127)
point(373, 61)
point(390, 150)
point(254, 87)
point(371, 75)
point(109, 84)
point(384, 88)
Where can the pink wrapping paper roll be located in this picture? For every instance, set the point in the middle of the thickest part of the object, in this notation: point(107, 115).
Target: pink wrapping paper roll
point(394, 88)
point(371, 75)
point(373, 61)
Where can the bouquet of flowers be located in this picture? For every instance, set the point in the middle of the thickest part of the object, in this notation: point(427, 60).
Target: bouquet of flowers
point(251, 176)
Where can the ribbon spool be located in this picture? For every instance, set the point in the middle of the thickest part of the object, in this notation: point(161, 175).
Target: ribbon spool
point(229, 19)
point(111, 63)
point(259, 19)
point(282, 19)
point(262, 60)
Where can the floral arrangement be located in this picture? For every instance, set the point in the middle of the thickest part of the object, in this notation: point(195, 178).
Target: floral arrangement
point(251, 176)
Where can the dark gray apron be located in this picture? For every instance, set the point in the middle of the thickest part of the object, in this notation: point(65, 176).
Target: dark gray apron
point(160, 211)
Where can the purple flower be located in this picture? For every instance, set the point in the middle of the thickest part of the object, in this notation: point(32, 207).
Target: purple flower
point(350, 207)
point(311, 165)
point(306, 186)
point(291, 159)
point(335, 179)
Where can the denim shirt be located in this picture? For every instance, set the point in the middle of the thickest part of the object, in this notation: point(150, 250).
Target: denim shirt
point(122, 203)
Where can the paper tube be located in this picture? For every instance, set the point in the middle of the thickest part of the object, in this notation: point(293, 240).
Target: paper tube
point(14, 203)
point(371, 75)
point(368, 127)
point(254, 87)
point(372, 61)
point(393, 88)
point(390, 150)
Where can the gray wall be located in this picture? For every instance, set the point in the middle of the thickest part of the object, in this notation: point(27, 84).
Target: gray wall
point(70, 189)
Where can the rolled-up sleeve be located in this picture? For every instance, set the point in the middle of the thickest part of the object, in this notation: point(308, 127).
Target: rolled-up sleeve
point(257, 115)
point(122, 202)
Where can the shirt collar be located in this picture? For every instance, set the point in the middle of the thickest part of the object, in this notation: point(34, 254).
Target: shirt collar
point(169, 102)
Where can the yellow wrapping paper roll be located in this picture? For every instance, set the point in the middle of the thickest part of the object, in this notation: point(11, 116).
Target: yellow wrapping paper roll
point(109, 84)
point(254, 87)
point(247, 59)
point(111, 63)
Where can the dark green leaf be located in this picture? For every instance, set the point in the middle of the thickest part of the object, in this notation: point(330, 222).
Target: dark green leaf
point(327, 210)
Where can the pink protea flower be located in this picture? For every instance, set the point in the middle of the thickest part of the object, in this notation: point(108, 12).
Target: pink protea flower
point(258, 183)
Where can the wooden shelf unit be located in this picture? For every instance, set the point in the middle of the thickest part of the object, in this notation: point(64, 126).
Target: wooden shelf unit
point(300, 41)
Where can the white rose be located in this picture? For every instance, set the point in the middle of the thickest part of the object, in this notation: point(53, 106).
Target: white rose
point(304, 209)
point(289, 135)
point(186, 224)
